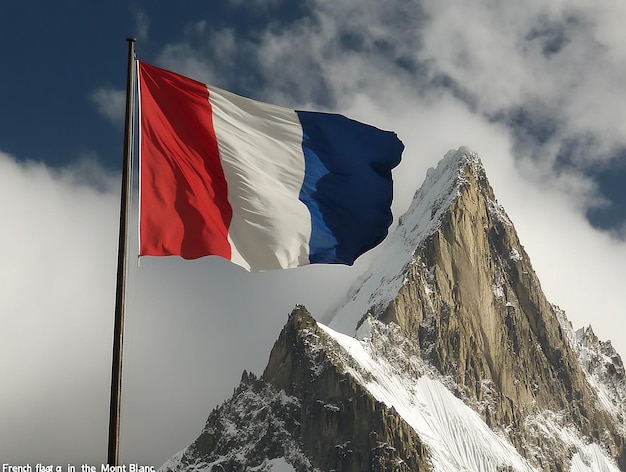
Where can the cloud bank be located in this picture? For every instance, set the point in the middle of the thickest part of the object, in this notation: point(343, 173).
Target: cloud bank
point(58, 239)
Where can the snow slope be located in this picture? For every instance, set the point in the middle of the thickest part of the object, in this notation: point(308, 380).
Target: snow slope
point(456, 436)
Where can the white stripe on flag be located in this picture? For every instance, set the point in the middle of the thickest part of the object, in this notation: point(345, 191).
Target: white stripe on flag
point(261, 150)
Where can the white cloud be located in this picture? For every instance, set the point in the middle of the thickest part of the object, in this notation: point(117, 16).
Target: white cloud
point(556, 55)
point(58, 239)
point(188, 60)
point(111, 103)
point(142, 24)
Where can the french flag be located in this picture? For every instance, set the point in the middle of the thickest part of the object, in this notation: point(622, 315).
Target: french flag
point(263, 186)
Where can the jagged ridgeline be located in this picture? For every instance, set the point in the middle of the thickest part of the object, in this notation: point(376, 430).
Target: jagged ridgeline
point(446, 357)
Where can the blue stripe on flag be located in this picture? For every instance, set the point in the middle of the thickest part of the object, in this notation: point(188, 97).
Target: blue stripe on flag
point(347, 185)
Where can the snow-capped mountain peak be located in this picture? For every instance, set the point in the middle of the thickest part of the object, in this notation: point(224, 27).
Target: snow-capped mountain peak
point(446, 357)
point(442, 186)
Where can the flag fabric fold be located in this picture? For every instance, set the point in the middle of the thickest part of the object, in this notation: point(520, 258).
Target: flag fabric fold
point(261, 185)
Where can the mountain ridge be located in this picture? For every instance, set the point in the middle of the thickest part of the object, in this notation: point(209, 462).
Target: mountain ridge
point(451, 317)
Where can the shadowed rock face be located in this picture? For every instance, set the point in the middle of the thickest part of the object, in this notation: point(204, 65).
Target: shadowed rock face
point(467, 301)
point(343, 426)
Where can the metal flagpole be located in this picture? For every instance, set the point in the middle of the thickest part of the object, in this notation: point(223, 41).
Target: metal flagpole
point(118, 330)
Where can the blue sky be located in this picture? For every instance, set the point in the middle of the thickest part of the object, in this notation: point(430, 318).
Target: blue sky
point(61, 53)
point(534, 89)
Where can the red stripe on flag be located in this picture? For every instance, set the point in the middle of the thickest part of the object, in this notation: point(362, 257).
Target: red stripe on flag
point(184, 207)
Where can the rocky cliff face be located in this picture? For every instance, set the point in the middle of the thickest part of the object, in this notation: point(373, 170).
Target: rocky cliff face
point(472, 297)
point(451, 305)
point(342, 425)
point(305, 410)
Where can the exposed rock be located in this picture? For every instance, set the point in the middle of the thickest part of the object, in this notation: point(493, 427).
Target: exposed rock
point(343, 426)
point(254, 428)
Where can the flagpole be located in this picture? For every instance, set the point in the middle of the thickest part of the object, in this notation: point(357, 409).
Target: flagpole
point(118, 329)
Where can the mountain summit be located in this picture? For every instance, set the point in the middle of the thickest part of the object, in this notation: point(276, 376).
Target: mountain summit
point(446, 356)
